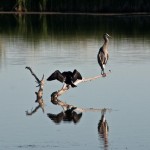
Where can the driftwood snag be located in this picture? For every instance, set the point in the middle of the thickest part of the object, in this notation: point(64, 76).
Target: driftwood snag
point(65, 88)
point(39, 94)
point(56, 94)
point(65, 106)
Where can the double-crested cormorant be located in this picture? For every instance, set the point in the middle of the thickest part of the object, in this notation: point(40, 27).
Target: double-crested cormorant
point(67, 77)
point(103, 55)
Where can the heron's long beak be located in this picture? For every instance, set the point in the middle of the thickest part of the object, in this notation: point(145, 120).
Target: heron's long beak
point(109, 36)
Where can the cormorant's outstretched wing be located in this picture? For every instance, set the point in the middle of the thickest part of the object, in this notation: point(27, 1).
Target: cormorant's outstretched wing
point(56, 118)
point(56, 75)
point(67, 74)
point(76, 75)
point(76, 117)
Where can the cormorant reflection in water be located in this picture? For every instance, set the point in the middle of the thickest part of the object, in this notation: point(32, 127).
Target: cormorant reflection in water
point(69, 115)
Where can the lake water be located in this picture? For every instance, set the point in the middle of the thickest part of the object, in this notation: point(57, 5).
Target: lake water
point(67, 42)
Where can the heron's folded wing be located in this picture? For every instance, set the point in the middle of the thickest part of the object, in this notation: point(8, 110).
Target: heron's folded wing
point(101, 56)
point(106, 59)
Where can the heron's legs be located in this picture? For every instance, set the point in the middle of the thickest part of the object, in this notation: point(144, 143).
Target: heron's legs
point(103, 73)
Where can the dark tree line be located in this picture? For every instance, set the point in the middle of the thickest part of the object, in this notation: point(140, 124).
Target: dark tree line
point(100, 6)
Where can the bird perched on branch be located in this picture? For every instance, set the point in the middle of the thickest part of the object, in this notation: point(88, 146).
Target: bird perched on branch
point(67, 77)
point(103, 55)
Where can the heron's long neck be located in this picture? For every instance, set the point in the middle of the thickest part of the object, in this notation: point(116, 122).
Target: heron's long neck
point(103, 118)
point(105, 45)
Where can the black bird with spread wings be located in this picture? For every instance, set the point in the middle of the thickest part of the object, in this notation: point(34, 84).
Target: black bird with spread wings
point(67, 77)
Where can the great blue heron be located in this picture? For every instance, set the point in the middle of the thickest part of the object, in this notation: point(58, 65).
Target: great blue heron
point(103, 55)
point(67, 77)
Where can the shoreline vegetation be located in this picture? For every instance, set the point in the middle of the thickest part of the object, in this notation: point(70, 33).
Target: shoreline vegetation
point(40, 25)
point(108, 7)
point(76, 13)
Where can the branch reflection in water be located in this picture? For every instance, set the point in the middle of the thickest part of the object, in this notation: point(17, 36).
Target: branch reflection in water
point(69, 114)
point(73, 113)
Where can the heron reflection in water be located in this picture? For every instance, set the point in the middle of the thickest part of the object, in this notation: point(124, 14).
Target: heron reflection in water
point(103, 56)
point(103, 129)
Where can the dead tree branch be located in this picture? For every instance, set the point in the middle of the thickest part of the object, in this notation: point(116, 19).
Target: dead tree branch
point(37, 79)
point(66, 88)
point(39, 94)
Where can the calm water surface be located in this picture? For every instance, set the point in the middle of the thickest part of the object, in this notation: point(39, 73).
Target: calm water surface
point(47, 43)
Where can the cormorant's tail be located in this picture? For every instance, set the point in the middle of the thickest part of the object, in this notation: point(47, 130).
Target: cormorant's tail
point(73, 85)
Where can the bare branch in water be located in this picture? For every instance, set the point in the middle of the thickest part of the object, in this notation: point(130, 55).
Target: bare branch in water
point(94, 78)
point(39, 94)
point(66, 88)
point(37, 79)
